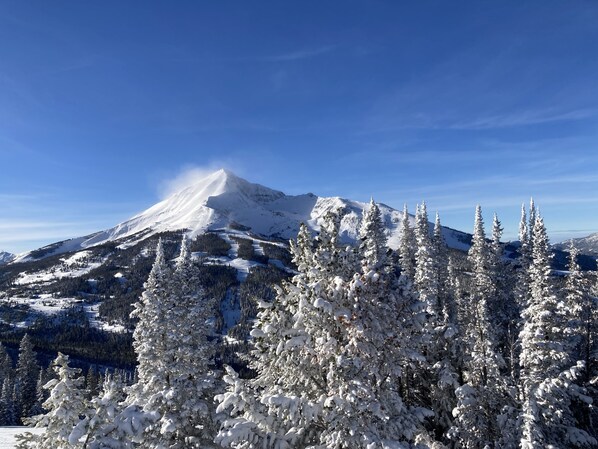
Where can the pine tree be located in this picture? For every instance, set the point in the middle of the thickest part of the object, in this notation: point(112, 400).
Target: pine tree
point(147, 397)
point(25, 378)
point(91, 381)
point(533, 214)
point(6, 369)
point(187, 406)
point(7, 407)
point(484, 395)
point(407, 247)
point(40, 394)
point(426, 278)
point(65, 406)
point(504, 306)
point(548, 375)
point(101, 429)
point(322, 379)
point(427, 288)
point(580, 308)
point(441, 333)
point(441, 257)
point(525, 258)
point(372, 412)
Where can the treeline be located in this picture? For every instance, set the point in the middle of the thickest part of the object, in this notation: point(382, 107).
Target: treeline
point(22, 381)
point(363, 348)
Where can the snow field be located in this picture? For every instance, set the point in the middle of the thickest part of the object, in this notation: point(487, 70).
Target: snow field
point(7, 435)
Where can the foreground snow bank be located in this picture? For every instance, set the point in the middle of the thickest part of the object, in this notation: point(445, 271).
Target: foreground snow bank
point(7, 435)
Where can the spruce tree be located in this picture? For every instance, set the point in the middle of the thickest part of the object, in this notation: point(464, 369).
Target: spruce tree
point(426, 278)
point(407, 247)
point(581, 331)
point(147, 398)
point(549, 377)
point(101, 428)
point(441, 349)
point(26, 378)
point(6, 369)
point(525, 257)
point(429, 376)
point(383, 328)
point(322, 378)
point(187, 414)
point(504, 306)
point(65, 406)
point(484, 395)
point(8, 416)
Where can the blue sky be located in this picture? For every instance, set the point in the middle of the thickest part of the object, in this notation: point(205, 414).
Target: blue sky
point(103, 104)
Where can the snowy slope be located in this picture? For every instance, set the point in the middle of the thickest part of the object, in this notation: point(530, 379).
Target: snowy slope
point(6, 257)
point(222, 199)
point(7, 435)
point(587, 245)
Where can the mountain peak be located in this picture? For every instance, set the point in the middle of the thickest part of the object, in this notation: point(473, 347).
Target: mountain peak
point(222, 201)
point(225, 182)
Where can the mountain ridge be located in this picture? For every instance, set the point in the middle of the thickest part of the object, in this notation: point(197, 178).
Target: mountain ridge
point(222, 199)
point(587, 245)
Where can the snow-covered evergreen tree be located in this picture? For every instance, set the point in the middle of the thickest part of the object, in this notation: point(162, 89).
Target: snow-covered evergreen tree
point(442, 350)
point(139, 413)
point(426, 277)
point(504, 306)
point(65, 407)
point(25, 378)
point(8, 415)
point(40, 394)
point(440, 251)
point(102, 427)
point(324, 356)
point(431, 378)
point(581, 330)
point(484, 395)
point(407, 247)
point(6, 369)
point(283, 405)
point(525, 258)
point(187, 414)
point(549, 376)
point(371, 411)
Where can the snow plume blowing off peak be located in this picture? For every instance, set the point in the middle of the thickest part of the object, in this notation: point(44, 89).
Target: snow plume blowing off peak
point(220, 200)
point(189, 176)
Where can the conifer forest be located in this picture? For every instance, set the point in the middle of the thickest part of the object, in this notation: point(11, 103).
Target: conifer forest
point(363, 347)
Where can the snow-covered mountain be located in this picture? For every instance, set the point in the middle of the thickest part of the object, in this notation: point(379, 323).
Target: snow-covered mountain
point(587, 245)
point(223, 200)
point(6, 257)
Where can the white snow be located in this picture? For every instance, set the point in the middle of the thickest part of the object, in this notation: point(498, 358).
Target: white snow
point(45, 303)
point(74, 266)
point(92, 312)
point(222, 198)
point(48, 305)
point(7, 435)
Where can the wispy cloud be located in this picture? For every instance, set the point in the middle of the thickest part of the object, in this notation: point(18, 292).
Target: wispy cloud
point(299, 54)
point(524, 118)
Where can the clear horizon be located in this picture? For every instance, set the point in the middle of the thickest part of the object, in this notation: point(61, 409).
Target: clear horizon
point(106, 107)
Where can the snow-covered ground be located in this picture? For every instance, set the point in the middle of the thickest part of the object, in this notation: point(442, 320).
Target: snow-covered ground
point(74, 266)
point(48, 305)
point(44, 303)
point(7, 435)
point(92, 312)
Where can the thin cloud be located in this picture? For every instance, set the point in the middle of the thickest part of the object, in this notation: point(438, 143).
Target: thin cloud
point(299, 54)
